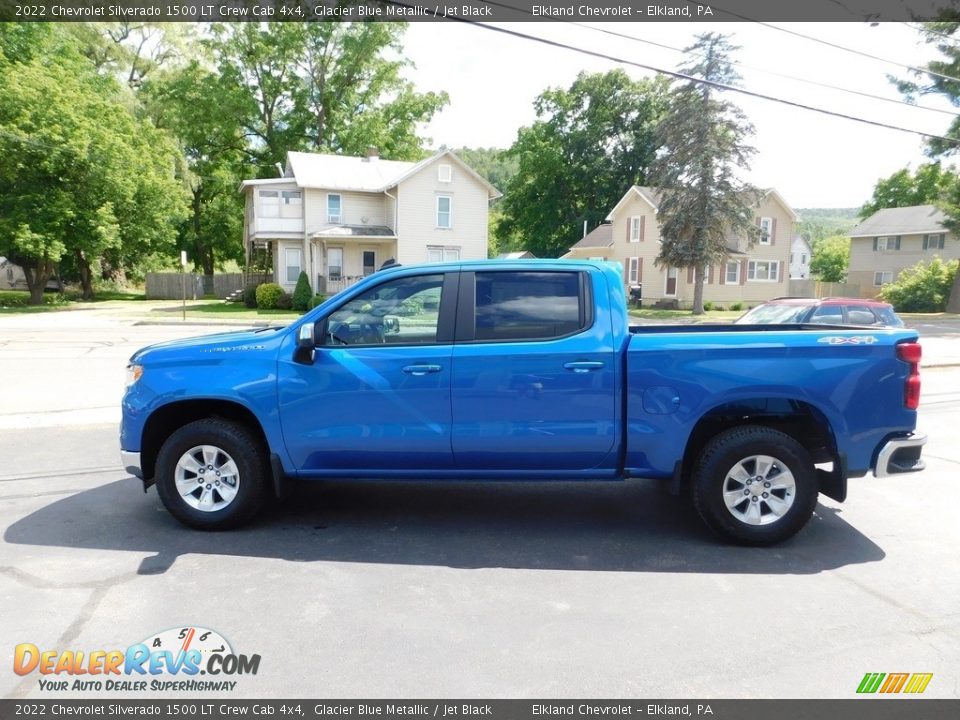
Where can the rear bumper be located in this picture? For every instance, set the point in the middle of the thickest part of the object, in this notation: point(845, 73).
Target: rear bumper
point(131, 463)
point(900, 455)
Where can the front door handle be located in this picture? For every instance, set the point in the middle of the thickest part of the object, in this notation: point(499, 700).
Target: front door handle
point(582, 366)
point(421, 369)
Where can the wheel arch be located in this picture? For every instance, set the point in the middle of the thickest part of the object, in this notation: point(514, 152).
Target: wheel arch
point(168, 418)
point(799, 419)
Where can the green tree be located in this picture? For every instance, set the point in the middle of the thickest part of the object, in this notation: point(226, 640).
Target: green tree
point(589, 145)
point(80, 176)
point(831, 257)
point(302, 293)
point(494, 164)
point(928, 185)
point(702, 148)
point(947, 67)
point(923, 287)
point(206, 120)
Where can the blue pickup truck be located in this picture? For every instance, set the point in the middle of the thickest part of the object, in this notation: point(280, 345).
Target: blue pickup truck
point(522, 371)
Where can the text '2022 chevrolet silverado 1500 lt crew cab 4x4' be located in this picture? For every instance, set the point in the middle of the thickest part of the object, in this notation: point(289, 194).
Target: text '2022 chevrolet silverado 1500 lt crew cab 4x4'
point(522, 371)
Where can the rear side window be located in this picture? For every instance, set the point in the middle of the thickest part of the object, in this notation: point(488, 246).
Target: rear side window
point(828, 315)
point(889, 317)
point(528, 305)
point(860, 315)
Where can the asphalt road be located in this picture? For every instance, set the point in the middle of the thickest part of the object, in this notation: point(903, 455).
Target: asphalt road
point(462, 589)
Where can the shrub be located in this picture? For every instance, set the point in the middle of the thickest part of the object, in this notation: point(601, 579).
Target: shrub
point(736, 307)
point(410, 306)
point(250, 297)
point(285, 302)
point(925, 287)
point(302, 293)
point(317, 300)
point(719, 308)
point(267, 296)
point(708, 306)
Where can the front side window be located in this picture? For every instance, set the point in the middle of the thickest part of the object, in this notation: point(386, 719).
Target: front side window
point(762, 271)
point(444, 211)
point(334, 208)
point(404, 311)
point(828, 315)
point(528, 305)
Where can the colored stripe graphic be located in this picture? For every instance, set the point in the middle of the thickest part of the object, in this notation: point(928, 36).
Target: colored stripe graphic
point(894, 683)
point(918, 683)
point(870, 682)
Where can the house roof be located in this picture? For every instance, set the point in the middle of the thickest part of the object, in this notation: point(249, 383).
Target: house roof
point(600, 236)
point(517, 255)
point(653, 196)
point(902, 221)
point(359, 174)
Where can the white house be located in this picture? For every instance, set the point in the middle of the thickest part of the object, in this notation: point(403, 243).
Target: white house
point(339, 218)
point(800, 254)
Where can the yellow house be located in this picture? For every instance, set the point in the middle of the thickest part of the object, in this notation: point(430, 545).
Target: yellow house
point(750, 275)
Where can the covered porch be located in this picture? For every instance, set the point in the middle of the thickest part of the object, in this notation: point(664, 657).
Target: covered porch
point(344, 255)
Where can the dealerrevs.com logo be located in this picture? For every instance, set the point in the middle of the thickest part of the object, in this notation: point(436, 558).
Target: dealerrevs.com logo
point(909, 683)
point(170, 661)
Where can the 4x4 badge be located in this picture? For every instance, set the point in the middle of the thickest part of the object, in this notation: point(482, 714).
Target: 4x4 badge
point(850, 340)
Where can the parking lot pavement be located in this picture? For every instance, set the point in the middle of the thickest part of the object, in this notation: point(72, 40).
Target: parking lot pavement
point(467, 589)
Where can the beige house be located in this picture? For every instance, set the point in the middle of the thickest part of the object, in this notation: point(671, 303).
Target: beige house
point(749, 276)
point(340, 218)
point(896, 238)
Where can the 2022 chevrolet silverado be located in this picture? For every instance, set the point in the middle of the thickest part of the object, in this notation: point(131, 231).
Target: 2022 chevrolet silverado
point(522, 371)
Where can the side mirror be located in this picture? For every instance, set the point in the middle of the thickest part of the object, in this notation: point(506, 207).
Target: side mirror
point(305, 337)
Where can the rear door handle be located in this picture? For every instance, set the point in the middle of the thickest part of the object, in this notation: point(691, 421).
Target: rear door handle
point(582, 366)
point(421, 369)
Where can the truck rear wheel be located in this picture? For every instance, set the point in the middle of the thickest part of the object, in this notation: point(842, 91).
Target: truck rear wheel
point(211, 475)
point(754, 485)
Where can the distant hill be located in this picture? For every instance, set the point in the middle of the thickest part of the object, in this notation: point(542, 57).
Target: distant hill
point(818, 223)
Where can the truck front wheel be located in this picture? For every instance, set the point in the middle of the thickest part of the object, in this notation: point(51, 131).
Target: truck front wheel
point(211, 475)
point(754, 485)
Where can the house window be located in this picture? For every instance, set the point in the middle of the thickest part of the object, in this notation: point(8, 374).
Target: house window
point(670, 283)
point(291, 204)
point(445, 173)
point(293, 262)
point(635, 229)
point(334, 208)
point(882, 278)
point(732, 272)
point(766, 230)
point(791, 258)
point(633, 275)
point(438, 253)
point(444, 212)
point(762, 271)
point(269, 203)
point(334, 263)
point(933, 242)
point(803, 258)
point(369, 262)
point(889, 242)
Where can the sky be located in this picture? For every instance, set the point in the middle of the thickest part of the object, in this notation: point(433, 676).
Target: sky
point(813, 160)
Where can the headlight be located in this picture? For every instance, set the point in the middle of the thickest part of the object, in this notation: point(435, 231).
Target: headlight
point(133, 373)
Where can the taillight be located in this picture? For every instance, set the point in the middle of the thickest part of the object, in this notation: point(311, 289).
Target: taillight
point(910, 352)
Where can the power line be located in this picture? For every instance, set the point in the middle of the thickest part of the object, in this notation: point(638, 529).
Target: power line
point(931, 31)
point(683, 76)
point(774, 73)
point(836, 46)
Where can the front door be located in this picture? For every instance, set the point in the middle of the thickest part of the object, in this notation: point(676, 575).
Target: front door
point(534, 374)
point(377, 395)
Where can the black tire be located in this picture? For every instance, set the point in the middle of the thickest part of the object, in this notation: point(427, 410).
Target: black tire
point(236, 443)
point(737, 453)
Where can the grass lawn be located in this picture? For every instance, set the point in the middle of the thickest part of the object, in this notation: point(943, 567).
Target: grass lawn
point(220, 309)
point(16, 301)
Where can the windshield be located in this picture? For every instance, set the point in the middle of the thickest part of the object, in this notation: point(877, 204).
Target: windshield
point(774, 314)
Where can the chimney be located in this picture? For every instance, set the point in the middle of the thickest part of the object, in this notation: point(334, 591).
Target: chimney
point(373, 154)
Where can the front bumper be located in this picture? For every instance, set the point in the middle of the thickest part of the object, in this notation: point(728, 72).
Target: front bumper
point(131, 463)
point(900, 455)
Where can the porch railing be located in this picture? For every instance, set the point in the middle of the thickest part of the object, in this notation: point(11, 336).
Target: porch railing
point(331, 286)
